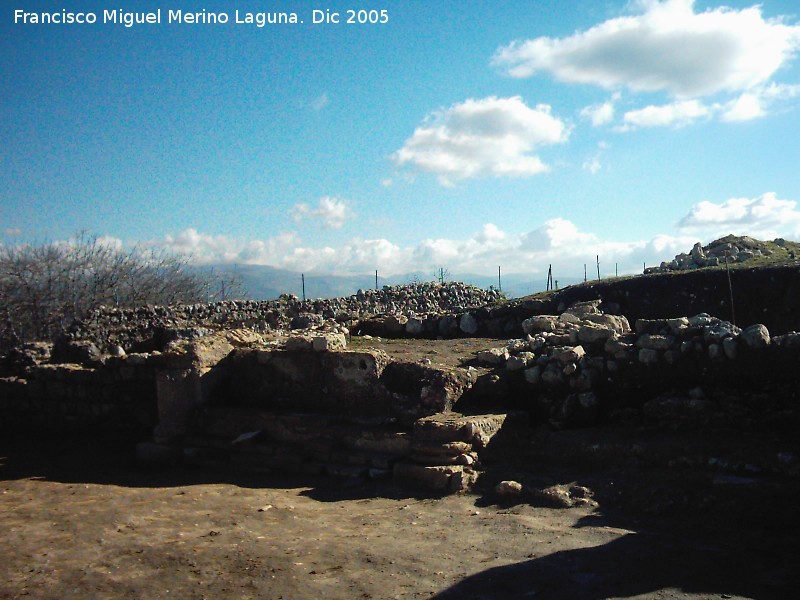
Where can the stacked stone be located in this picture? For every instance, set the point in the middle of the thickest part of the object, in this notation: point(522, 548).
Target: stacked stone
point(569, 356)
point(128, 328)
point(730, 248)
point(445, 451)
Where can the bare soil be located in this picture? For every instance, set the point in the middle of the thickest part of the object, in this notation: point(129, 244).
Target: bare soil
point(80, 518)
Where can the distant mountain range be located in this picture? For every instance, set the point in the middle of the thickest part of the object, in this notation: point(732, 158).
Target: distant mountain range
point(267, 283)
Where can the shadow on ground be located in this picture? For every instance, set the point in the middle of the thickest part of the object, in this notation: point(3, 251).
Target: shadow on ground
point(110, 459)
point(637, 564)
point(658, 558)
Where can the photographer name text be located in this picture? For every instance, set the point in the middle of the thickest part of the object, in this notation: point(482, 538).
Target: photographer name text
point(204, 17)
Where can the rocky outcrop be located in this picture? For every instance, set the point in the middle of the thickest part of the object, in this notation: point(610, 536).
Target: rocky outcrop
point(730, 249)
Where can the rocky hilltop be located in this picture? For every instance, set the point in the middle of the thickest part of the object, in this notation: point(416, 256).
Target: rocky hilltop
point(726, 250)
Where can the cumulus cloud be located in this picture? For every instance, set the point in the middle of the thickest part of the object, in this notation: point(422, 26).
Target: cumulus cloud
point(203, 248)
point(330, 212)
point(668, 47)
point(746, 107)
point(599, 114)
point(676, 113)
point(558, 242)
point(486, 137)
point(765, 216)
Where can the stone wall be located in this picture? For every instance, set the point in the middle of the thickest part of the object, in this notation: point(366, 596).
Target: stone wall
point(152, 327)
point(119, 395)
point(582, 367)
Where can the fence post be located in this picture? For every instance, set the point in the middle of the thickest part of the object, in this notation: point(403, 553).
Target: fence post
point(303, 280)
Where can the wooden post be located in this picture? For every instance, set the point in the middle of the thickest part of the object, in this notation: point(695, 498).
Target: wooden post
point(584, 272)
point(303, 280)
point(598, 267)
point(499, 283)
point(730, 289)
point(616, 269)
point(376, 279)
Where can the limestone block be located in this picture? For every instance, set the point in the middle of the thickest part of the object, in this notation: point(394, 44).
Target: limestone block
point(654, 342)
point(756, 336)
point(493, 356)
point(617, 323)
point(648, 356)
point(540, 323)
point(299, 343)
point(415, 326)
point(444, 478)
point(468, 324)
point(571, 355)
point(329, 342)
point(590, 333)
point(508, 489)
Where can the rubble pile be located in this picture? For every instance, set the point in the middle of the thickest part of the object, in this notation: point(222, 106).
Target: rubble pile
point(572, 358)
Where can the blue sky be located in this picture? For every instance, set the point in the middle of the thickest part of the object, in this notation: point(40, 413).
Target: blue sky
point(468, 135)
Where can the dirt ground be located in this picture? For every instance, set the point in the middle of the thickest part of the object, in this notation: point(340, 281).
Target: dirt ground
point(81, 519)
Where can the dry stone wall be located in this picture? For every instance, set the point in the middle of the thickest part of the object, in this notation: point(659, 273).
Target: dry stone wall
point(153, 327)
point(582, 366)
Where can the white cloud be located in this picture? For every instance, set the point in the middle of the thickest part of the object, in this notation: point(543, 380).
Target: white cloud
point(744, 108)
point(320, 102)
point(765, 216)
point(754, 104)
point(110, 242)
point(558, 242)
point(487, 137)
point(599, 114)
point(592, 165)
point(675, 114)
point(780, 91)
point(668, 47)
point(330, 212)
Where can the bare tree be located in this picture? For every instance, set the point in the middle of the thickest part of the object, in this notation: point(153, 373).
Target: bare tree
point(43, 288)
